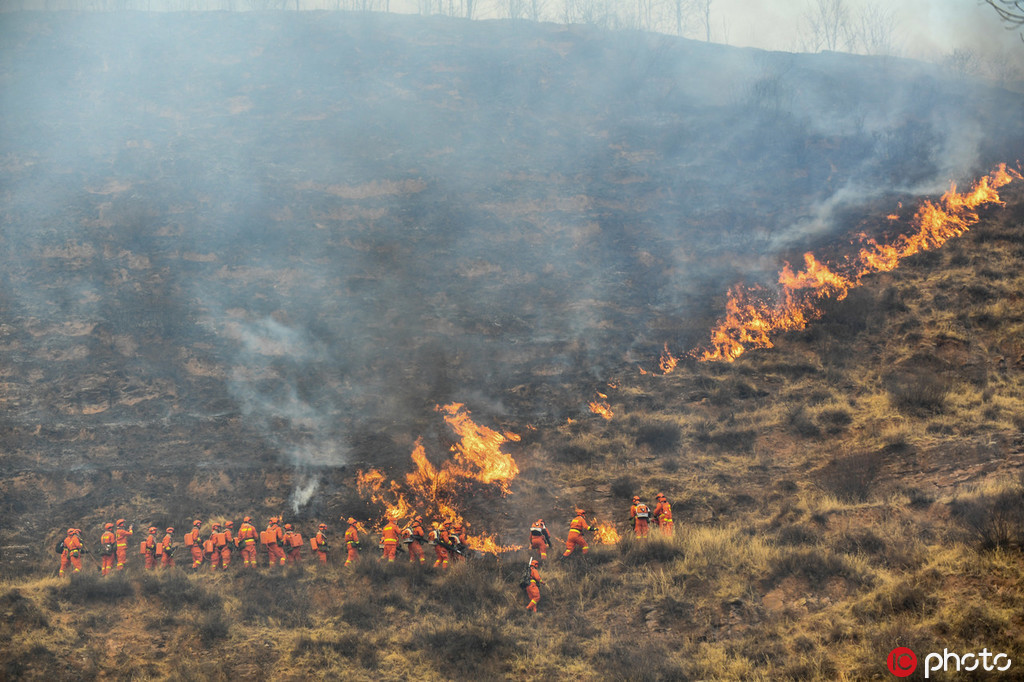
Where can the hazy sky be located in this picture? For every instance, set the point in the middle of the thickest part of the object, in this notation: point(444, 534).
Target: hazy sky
point(927, 27)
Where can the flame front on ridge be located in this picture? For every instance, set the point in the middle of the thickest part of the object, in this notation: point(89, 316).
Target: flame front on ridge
point(753, 315)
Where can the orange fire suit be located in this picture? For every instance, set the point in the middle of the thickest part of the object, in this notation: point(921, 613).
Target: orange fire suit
point(225, 546)
point(247, 543)
point(293, 553)
point(415, 538)
point(641, 517)
point(71, 557)
point(576, 538)
point(390, 537)
point(121, 535)
point(107, 542)
point(352, 542)
point(195, 545)
point(540, 539)
point(149, 551)
point(213, 553)
point(457, 538)
point(275, 553)
point(322, 546)
point(439, 538)
point(533, 589)
point(167, 559)
point(663, 515)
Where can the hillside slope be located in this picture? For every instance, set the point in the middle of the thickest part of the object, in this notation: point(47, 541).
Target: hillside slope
point(235, 275)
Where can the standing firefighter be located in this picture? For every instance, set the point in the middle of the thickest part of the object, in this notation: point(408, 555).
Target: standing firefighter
point(246, 542)
point(540, 539)
point(147, 548)
point(457, 540)
point(319, 544)
point(576, 538)
point(641, 517)
point(121, 535)
point(390, 536)
point(195, 544)
point(532, 583)
point(211, 546)
point(663, 514)
point(415, 538)
point(352, 541)
point(292, 545)
point(439, 539)
point(71, 552)
point(226, 544)
point(272, 538)
point(167, 558)
point(107, 547)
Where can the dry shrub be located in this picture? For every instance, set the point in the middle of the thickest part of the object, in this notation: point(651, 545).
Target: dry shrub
point(465, 650)
point(919, 393)
point(798, 534)
point(621, 660)
point(175, 590)
point(994, 521)
point(653, 548)
point(659, 436)
point(851, 478)
point(914, 596)
point(88, 588)
point(318, 651)
point(817, 566)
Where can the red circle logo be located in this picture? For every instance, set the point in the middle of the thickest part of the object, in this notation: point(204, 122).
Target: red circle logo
point(902, 662)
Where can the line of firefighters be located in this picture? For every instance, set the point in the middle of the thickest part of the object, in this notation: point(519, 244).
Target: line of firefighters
point(283, 544)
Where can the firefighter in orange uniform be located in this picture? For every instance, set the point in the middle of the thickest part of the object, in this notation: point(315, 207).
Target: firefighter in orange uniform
point(121, 535)
point(274, 539)
point(414, 538)
point(439, 539)
point(292, 544)
point(148, 549)
point(195, 544)
point(246, 542)
point(457, 538)
point(532, 588)
point(641, 517)
point(321, 544)
point(390, 536)
point(167, 559)
point(352, 541)
point(540, 539)
point(576, 538)
point(71, 555)
point(228, 544)
point(107, 543)
point(211, 547)
point(663, 514)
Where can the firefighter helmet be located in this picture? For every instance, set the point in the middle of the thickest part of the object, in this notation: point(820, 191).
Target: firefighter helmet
point(287, 526)
point(108, 526)
point(120, 522)
point(351, 521)
point(322, 526)
point(152, 529)
point(197, 522)
point(170, 529)
point(216, 525)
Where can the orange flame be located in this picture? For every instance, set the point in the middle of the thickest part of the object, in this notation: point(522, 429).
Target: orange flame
point(668, 362)
point(602, 408)
point(605, 534)
point(480, 448)
point(752, 315)
point(435, 492)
